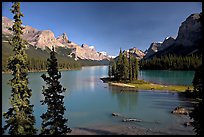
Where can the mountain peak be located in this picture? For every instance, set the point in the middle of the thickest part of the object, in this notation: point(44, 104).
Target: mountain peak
point(63, 38)
point(46, 38)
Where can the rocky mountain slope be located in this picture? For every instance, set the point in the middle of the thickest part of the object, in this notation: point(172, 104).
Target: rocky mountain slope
point(135, 52)
point(46, 38)
point(139, 54)
point(187, 42)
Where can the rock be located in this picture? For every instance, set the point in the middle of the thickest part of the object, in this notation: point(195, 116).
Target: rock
point(135, 52)
point(115, 114)
point(188, 124)
point(190, 31)
point(132, 119)
point(88, 52)
point(180, 110)
point(46, 38)
point(63, 38)
point(186, 43)
point(169, 41)
point(154, 47)
point(6, 22)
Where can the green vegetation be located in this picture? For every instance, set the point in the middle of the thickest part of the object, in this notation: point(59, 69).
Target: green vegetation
point(37, 58)
point(53, 121)
point(197, 113)
point(19, 117)
point(125, 69)
point(144, 85)
point(172, 62)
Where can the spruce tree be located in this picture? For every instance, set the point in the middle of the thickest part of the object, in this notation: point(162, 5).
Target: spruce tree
point(109, 70)
point(114, 69)
point(119, 66)
point(197, 113)
point(130, 66)
point(125, 67)
point(136, 69)
point(19, 118)
point(53, 121)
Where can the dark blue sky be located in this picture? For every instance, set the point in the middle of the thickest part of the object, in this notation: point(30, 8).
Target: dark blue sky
point(108, 26)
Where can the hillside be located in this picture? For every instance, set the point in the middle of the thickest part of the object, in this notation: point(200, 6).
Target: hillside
point(188, 41)
point(69, 54)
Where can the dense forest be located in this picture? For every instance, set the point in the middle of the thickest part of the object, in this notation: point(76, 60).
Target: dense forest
point(37, 58)
point(172, 62)
point(124, 69)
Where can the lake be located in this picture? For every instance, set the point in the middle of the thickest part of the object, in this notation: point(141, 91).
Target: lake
point(91, 102)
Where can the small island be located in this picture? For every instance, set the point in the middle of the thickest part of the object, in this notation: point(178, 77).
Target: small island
point(144, 85)
point(123, 72)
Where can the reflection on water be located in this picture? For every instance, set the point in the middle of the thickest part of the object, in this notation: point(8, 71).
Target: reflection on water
point(127, 100)
point(89, 101)
point(167, 77)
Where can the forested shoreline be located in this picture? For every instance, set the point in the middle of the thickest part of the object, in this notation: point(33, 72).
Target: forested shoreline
point(172, 62)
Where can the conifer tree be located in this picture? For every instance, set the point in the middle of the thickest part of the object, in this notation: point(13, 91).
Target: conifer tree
point(19, 118)
point(53, 121)
point(197, 113)
point(130, 66)
point(119, 66)
point(136, 69)
point(109, 70)
point(125, 67)
point(114, 69)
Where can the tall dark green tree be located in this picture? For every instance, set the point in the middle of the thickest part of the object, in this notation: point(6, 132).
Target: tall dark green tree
point(119, 66)
point(109, 70)
point(53, 122)
point(130, 67)
point(125, 67)
point(114, 68)
point(19, 118)
point(136, 68)
point(197, 114)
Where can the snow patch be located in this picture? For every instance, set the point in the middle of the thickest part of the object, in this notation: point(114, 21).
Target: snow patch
point(167, 37)
point(103, 52)
point(91, 47)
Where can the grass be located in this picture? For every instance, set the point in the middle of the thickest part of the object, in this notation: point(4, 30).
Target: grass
point(144, 85)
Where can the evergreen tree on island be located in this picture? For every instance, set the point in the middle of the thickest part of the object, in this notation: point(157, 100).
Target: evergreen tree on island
point(19, 118)
point(125, 68)
point(119, 67)
point(53, 121)
point(136, 69)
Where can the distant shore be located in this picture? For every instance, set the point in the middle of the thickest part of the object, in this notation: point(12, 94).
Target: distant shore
point(143, 85)
point(8, 72)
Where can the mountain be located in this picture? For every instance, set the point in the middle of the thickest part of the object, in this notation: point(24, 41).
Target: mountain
point(154, 47)
point(135, 52)
point(46, 39)
point(139, 54)
point(187, 42)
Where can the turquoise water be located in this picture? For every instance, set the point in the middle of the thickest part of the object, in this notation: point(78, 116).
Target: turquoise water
point(168, 77)
point(90, 102)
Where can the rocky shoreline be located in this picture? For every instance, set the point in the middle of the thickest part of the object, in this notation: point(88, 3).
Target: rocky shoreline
point(110, 130)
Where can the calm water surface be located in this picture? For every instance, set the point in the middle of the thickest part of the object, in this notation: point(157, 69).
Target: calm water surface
point(90, 102)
